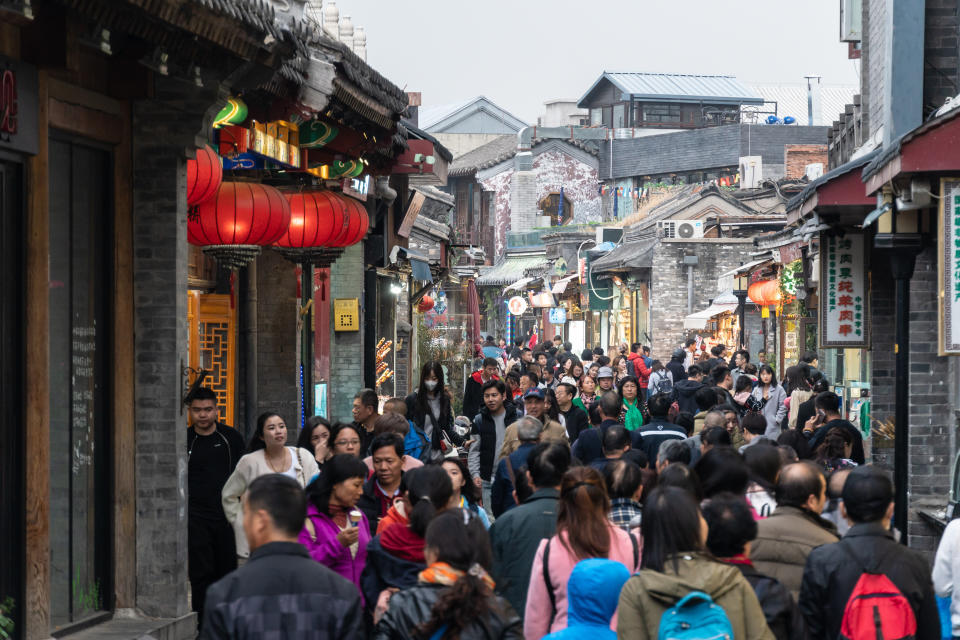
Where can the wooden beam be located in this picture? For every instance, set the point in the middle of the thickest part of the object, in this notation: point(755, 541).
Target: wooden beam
point(37, 375)
point(124, 436)
point(9, 40)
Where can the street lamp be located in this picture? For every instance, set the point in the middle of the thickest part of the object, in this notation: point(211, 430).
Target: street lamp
point(740, 287)
point(899, 232)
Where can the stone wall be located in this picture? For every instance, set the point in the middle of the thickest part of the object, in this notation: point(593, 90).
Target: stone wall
point(669, 283)
point(798, 156)
point(277, 371)
point(346, 347)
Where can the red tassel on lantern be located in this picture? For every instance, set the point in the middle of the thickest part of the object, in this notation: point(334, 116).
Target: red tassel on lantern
point(204, 176)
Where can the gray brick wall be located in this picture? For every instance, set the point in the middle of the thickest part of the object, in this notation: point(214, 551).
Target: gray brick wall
point(160, 346)
point(277, 372)
point(523, 200)
point(940, 44)
point(873, 66)
point(346, 347)
point(669, 285)
point(932, 421)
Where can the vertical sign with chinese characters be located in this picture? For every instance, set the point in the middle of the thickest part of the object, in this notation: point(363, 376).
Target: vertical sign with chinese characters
point(844, 307)
point(949, 307)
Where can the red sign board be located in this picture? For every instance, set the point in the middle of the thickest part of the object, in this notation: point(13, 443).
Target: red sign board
point(18, 106)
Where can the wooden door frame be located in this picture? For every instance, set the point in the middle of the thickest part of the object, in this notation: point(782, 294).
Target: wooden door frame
point(101, 119)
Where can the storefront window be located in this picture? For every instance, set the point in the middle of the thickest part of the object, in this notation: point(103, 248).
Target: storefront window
point(80, 532)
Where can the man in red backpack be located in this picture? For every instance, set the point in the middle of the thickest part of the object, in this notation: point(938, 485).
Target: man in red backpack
point(867, 586)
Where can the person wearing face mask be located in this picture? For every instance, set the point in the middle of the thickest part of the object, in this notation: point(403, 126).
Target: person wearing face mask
point(268, 453)
point(429, 408)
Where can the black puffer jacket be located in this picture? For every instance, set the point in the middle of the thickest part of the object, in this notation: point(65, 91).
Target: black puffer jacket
point(411, 607)
point(419, 417)
point(783, 616)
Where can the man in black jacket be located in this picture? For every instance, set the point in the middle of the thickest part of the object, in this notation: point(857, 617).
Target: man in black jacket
point(574, 419)
point(833, 570)
point(213, 450)
point(281, 592)
point(589, 446)
point(731, 529)
point(675, 366)
point(473, 389)
point(658, 430)
point(686, 389)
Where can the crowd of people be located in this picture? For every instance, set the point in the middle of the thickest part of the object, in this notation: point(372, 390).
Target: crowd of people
point(570, 495)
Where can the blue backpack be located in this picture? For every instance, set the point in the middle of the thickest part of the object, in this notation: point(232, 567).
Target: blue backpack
point(695, 617)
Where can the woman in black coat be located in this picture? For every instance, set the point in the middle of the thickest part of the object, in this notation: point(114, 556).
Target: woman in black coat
point(454, 595)
point(428, 407)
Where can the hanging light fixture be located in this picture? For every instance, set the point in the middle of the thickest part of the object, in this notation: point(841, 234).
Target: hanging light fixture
point(237, 221)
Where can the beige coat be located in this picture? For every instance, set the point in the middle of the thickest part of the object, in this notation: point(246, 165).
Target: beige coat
point(249, 468)
point(553, 431)
point(784, 540)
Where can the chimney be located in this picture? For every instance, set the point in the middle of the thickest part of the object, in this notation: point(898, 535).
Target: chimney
point(360, 43)
point(903, 68)
point(414, 100)
point(331, 20)
point(346, 32)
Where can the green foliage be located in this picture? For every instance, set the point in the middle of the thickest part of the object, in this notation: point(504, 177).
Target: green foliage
point(87, 597)
point(6, 621)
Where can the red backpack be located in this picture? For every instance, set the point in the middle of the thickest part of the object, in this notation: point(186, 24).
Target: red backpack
point(877, 610)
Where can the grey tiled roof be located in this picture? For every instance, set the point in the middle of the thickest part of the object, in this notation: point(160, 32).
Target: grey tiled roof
point(679, 86)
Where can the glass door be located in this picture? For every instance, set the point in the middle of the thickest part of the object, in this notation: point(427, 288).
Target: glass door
point(81, 211)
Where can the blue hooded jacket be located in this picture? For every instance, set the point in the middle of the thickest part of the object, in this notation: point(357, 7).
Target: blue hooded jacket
point(593, 593)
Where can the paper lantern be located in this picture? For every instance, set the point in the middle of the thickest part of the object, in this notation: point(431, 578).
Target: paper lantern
point(766, 293)
point(426, 303)
point(316, 219)
point(204, 175)
point(356, 223)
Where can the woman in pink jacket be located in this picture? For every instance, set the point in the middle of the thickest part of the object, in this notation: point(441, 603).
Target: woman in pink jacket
point(583, 531)
point(335, 532)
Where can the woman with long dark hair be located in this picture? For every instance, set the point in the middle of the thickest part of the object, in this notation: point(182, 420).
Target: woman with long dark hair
point(335, 532)
point(835, 451)
point(674, 564)
point(395, 556)
point(798, 390)
point(429, 408)
point(315, 438)
point(763, 466)
point(268, 453)
point(771, 396)
point(583, 531)
point(453, 597)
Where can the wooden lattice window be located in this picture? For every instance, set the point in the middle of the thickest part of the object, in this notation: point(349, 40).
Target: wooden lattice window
point(213, 346)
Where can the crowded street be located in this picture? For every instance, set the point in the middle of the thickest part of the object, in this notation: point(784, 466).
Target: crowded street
point(355, 320)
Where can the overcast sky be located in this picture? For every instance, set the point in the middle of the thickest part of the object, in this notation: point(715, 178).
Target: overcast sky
point(520, 53)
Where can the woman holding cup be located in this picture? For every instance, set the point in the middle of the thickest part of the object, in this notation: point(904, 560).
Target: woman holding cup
point(335, 532)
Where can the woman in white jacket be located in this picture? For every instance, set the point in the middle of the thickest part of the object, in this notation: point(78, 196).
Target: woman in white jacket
point(268, 453)
point(773, 396)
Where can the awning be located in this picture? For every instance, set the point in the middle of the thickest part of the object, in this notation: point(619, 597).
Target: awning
point(629, 256)
point(518, 285)
point(421, 270)
point(699, 319)
point(510, 270)
point(745, 267)
point(561, 285)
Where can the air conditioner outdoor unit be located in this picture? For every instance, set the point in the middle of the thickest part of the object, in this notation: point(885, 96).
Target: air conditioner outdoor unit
point(682, 229)
point(751, 172)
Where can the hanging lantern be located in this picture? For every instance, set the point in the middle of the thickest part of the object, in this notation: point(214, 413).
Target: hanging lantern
point(317, 218)
point(765, 293)
point(242, 216)
point(204, 175)
point(426, 303)
point(356, 223)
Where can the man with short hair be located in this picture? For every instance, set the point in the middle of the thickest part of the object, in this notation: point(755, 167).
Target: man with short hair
point(706, 399)
point(383, 487)
point(615, 442)
point(589, 445)
point(281, 592)
point(714, 436)
point(516, 535)
point(488, 431)
point(690, 355)
point(834, 571)
point(574, 419)
point(795, 528)
point(754, 425)
point(624, 481)
point(473, 389)
point(695, 442)
point(723, 382)
point(534, 405)
point(686, 390)
point(213, 450)
point(828, 414)
point(716, 356)
point(548, 381)
point(732, 528)
point(529, 430)
point(526, 356)
point(673, 451)
point(528, 380)
point(365, 415)
point(659, 429)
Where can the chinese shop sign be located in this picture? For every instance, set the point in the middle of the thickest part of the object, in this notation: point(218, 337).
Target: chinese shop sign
point(949, 307)
point(844, 311)
point(18, 106)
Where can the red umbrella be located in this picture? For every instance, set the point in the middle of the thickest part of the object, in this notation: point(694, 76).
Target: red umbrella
point(473, 305)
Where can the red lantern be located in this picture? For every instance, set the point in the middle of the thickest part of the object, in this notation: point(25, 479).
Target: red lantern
point(425, 304)
point(316, 219)
point(356, 223)
point(204, 176)
point(241, 213)
point(766, 292)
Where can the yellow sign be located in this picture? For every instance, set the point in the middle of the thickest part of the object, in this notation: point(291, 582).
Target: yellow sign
point(346, 314)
